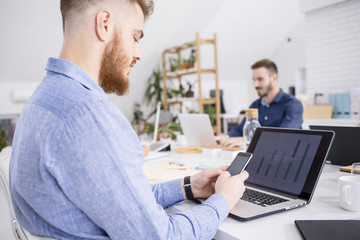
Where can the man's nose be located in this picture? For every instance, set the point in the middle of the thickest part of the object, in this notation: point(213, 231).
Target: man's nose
point(138, 55)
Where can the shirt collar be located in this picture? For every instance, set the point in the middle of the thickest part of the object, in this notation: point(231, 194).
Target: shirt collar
point(276, 99)
point(71, 70)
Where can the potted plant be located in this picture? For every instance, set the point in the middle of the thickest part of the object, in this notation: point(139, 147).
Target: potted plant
point(3, 142)
point(184, 64)
point(192, 58)
point(154, 91)
point(178, 92)
point(170, 131)
point(174, 64)
point(211, 110)
point(149, 129)
point(138, 118)
point(189, 92)
point(172, 128)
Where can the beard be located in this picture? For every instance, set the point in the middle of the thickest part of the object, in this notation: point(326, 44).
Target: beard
point(113, 76)
point(268, 89)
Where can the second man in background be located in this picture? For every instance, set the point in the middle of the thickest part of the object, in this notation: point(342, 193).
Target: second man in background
point(276, 108)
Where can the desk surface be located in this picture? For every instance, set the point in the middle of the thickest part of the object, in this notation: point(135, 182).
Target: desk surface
point(324, 205)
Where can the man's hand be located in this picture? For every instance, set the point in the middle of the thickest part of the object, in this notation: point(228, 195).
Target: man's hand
point(221, 139)
point(146, 150)
point(234, 142)
point(232, 187)
point(229, 141)
point(203, 183)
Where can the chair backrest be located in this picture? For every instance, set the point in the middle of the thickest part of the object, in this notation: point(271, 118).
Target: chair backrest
point(19, 232)
point(165, 118)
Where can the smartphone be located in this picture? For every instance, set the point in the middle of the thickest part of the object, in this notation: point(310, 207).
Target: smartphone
point(239, 163)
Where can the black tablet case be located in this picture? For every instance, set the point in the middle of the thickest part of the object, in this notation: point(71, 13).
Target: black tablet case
point(329, 229)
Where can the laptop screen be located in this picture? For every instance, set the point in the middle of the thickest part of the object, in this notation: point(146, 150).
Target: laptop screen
point(345, 148)
point(287, 160)
point(197, 129)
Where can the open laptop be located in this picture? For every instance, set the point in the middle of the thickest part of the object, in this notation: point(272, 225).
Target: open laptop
point(345, 149)
point(156, 146)
point(283, 171)
point(197, 129)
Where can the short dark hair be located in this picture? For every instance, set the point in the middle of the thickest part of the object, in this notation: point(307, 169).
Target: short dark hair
point(66, 6)
point(266, 63)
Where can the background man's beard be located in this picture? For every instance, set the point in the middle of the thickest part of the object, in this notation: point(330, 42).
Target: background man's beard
point(114, 65)
point(268, 89)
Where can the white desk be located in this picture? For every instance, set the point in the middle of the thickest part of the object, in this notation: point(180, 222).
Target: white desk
point(324, 205)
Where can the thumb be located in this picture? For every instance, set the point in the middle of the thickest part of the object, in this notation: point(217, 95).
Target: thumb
point(225, 175)
point(243, 175)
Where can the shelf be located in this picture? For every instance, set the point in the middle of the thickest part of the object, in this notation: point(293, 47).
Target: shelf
point(184, 99)
point(177, 74)
point(187, 45)
point(195, 70)
point(192, 99)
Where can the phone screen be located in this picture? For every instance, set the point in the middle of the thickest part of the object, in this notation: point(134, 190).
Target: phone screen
point(239, 163)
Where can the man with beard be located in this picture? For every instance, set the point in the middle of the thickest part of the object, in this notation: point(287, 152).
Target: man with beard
point(276, 108)
point(76, 164)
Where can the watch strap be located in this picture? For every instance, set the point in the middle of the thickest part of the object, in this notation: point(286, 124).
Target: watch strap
point(187, 187)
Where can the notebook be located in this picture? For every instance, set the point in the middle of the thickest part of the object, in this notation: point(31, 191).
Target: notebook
point(345, 148)
point(283, 171)
point(197, 129)
point(157, 146)
point(329, 229)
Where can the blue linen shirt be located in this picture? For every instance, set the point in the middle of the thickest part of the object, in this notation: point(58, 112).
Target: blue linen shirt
point(76, 170)
point(284, 111)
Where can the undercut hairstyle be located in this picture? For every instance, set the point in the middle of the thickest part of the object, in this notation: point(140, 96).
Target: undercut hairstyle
point(67, 7)
point(266, 63)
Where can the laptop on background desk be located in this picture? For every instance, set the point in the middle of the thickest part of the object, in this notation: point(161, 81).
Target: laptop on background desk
point(197, 129)
point(158, 149)
point(283, 171)
point(345, 149)
point(157, 146)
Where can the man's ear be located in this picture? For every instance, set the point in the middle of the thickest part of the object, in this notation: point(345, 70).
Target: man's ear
point(102, 25)
point(275, 76)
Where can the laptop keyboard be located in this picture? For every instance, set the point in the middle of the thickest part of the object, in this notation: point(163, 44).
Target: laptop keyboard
point(260, 198)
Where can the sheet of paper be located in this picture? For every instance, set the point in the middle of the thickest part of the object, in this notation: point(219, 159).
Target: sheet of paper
point(214, 164)
point(155, 155)
point(165, 171)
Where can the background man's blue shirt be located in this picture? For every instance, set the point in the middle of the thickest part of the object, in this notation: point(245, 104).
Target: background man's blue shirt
point(284, 111)
point(76, 170)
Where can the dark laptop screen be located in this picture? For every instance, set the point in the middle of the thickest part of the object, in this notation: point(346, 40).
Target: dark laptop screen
point(345, 148)
point(283, 158)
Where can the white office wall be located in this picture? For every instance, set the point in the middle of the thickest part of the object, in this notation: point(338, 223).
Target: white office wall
point(310, 5)
point(333, 48)
point(30, 33)
point(12, 95)
point(289, 56)
point(252, 30)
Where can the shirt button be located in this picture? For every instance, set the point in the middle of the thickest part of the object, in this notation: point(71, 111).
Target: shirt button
point(266, 118)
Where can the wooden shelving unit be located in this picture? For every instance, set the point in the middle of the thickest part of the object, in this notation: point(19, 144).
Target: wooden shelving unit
point(196, 70)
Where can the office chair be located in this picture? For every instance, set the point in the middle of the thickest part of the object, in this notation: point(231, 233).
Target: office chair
point(222, 107)
point(18, 232)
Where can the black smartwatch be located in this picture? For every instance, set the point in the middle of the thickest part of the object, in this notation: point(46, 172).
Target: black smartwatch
point(187, 187)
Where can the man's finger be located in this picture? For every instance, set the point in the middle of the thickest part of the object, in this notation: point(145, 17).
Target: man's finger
point(224, 168)
point(243, 175)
